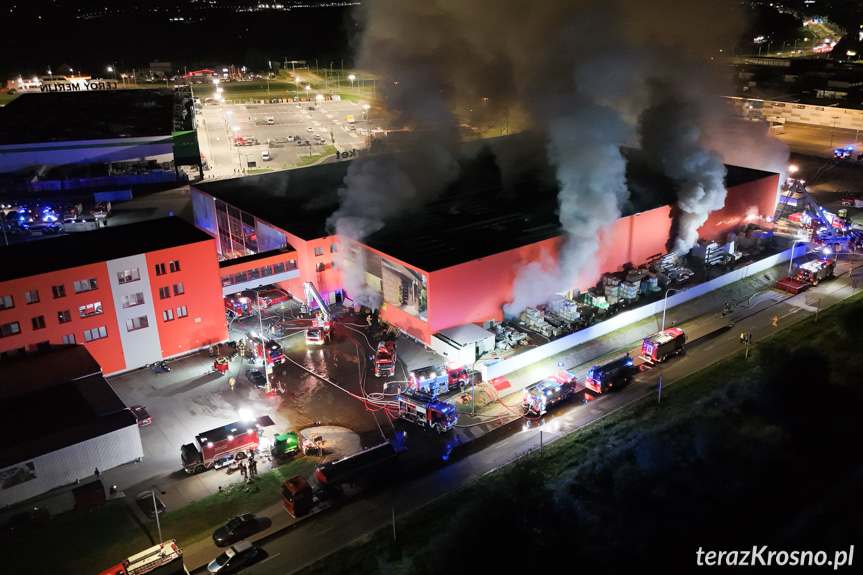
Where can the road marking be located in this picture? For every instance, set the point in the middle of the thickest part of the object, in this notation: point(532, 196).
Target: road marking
point(270, 557)
point(501, 445)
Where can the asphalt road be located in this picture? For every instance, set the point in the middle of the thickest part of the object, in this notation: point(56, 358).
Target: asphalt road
point(710, 339)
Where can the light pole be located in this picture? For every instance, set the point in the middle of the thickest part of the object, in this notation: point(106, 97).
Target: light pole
point(368, 124)
point(156, 511)
point(237, 145)
point(298, 90)
point(352, 78)
point(833, 131)
point(308, 87)
point(791, 259)
point(264, 343)
point(665, 305)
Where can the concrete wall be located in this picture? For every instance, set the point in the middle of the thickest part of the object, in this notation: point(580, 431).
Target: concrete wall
point(630, 317)
point(78, 461)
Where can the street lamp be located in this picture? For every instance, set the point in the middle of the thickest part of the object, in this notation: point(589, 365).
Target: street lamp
point(352, 78)
point(298, 90)
point(368, 123)
point(237, 145)
point(665, 305)
point(156, 511)
point(791, 259)
point(113, 72)
point(308, 87)
point(267, 388)
point(318, 99)
point(833, 131)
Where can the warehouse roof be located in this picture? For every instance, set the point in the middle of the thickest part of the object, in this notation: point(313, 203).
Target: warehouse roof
point(59, 399)
point(95, 115)
point(487, 210)
point(105, 244)
point(462, 335)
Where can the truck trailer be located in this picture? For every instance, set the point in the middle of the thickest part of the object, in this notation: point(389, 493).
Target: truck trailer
point(385, 359)
point(366, 464)
point(220, 446)
point(539, 396)
point(660, 346)
point(427, 411)
point(601, 378)
point(162, 559)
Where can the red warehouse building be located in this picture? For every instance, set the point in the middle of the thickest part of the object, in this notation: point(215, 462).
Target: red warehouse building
point(131, 294)
point(453, 261)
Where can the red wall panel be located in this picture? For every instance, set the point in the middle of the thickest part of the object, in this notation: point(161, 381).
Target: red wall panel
point(199, 274)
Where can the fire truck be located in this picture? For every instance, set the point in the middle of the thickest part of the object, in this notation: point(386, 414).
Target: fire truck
point(237, 306)
point(297, 496)
point(816, 270)
point(809, 274)
point(268, 295)
point(658, 347)
point(162, 559)
point(538, 397)
point(438, 379)
point(363, 465)
point(319, 332)
point(385, 359)
point(425, 410)
point(221, 446)
point(601, 378)
point(258, 346)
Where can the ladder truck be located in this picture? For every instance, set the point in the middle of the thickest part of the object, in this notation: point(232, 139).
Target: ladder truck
point(162, 559)
point(320, 330)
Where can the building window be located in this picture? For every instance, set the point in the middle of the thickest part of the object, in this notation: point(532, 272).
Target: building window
point(334, 248)
point(136, 323)
point(320, 267)
point(86, 285)
point(174, 266)
point(32, 296)
point(69, 339)
point(127, 276)
point(90, 309)
point(64, 316)
point(168, 315)
point(38, 322)
point(8, 329)
point(164, 292)
point(132, 300)
point(59, 291)
point(6, 302)
point(319, 251)
point(178, 289)
point(181, 311)
point(160, 269)
point(95, 333)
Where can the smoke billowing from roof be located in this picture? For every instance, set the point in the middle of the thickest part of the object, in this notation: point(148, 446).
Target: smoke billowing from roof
point(587, 76)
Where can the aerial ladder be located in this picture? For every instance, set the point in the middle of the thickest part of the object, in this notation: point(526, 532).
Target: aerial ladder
point(320, 330)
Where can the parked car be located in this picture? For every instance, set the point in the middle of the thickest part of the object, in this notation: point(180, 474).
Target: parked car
point(235, 529)
point(144, 501)
point(140, 413)
point(310, 129)
point(237, 555)
point(290, 138)
point(23, 520)
point(256, 378)
point(265, 156)
point(271, 120)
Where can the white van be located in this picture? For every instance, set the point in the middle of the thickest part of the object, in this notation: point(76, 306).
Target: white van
point(265, 155)
point(271, 120)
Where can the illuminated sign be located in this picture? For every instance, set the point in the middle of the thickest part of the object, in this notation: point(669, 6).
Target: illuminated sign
point(78, 86)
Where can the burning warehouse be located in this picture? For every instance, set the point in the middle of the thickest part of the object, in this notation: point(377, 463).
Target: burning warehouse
point(469, 252)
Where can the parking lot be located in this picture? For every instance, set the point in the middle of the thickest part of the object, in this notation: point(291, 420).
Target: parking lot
point(233, 137)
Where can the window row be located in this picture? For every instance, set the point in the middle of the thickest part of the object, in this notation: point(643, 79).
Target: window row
point(165, 292)
point(168, 314)
point(173, 266)
point(258, 273)
point(32, 296)
point(334, 248)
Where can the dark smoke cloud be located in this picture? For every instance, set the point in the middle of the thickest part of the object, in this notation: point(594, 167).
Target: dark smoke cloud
point(583, 75)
